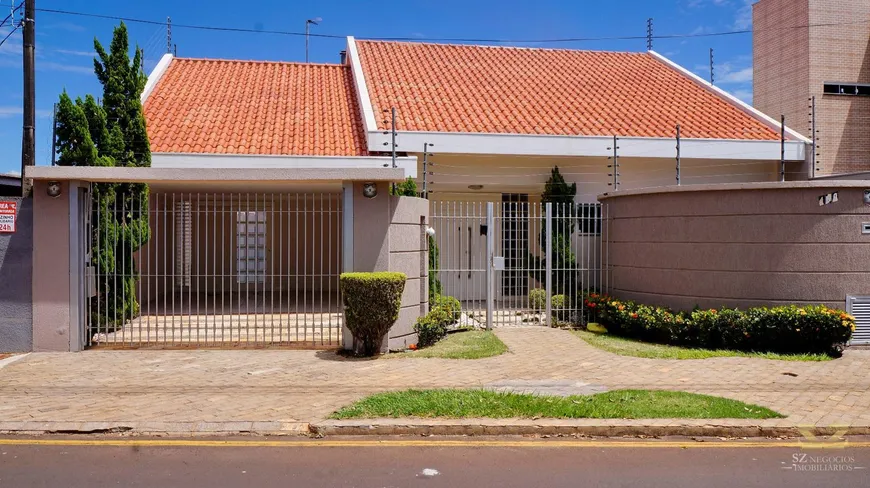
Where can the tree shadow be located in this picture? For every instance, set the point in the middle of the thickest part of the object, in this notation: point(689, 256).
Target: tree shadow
point(343, 356)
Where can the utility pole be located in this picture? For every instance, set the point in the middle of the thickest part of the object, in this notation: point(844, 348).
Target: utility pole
point(168, 35)
point(28, 137)
point(54, 136)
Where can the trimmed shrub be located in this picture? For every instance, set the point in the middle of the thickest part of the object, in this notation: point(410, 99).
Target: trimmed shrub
point(431, 327)
point(449, 304)
point(561, 309)
point(371, 306)
point(537, 298)
point(785, 329)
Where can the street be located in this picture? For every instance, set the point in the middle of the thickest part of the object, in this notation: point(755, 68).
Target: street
point(434, 462)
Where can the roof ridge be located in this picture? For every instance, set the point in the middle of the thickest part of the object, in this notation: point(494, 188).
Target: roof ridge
point(260, 61)
point(501, 46)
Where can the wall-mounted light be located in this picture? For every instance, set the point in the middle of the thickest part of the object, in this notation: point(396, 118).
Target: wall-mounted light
point(475, 187)
point(53, 189)
point(370, 190)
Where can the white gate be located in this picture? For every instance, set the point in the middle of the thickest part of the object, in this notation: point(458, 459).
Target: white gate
point(516, 262)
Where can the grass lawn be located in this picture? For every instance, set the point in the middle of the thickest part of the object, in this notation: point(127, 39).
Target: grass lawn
point(631, 347)
point(619, 404)
point(472, 344)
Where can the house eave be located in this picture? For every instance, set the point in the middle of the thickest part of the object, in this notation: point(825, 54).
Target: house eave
point(589, 146)
point(407, 164)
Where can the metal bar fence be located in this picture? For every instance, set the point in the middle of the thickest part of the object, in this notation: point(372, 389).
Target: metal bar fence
point(514, 263)
point(238, 269)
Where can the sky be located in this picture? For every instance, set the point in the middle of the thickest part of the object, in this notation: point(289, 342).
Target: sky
point(64, 43)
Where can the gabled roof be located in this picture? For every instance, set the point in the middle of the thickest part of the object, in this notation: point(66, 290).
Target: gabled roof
point(511, 90)
point(254, 107)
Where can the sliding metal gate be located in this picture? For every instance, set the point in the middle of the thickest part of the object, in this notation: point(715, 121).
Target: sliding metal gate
point(515, 263)
point(199, 269)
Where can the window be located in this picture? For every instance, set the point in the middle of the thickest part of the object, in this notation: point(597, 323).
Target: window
point(853, 89)
point(251, 247)
point(590, 218)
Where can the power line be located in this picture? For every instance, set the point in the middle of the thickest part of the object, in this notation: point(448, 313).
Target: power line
point(449, 39)
point(11, 13)
point(10, 34)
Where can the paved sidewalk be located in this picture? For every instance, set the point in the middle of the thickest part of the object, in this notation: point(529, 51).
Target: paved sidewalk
point(286, 389)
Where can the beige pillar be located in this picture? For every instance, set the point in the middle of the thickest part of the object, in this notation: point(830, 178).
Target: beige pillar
point(51, 269)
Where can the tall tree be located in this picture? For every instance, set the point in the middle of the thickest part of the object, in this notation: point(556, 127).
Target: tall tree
point(564, 263)
point(112, 133)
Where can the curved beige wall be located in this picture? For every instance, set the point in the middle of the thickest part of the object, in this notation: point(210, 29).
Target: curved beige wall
point(739, 244)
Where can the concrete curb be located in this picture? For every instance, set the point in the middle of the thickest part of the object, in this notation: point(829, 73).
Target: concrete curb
point(576, 427)
point(157, 428)
point(12, 359)
point(441, 427)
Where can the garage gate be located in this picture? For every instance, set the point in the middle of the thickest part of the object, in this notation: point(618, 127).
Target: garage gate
point(184, 269)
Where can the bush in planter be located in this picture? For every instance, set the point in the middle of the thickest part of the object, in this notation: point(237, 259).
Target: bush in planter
point(787, 329)
point(371, 306)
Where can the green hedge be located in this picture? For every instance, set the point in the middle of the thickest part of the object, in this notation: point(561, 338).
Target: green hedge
point(784, 329)
point(371, 306)
point(444, 311)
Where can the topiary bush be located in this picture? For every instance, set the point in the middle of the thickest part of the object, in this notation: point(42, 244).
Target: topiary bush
point(784, 329)
point(537, 298)
point(561, 309)
point(450, 304)
point(432, 327)
point(371, 306)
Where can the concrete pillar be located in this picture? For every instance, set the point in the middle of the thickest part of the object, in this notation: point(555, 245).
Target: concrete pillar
point(51, 269)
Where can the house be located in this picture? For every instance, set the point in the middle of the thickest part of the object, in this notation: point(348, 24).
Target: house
point(265, 179)
point(10, 185)
point(475, 124)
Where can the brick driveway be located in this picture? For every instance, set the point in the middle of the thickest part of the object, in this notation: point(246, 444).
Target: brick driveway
point(305, 386)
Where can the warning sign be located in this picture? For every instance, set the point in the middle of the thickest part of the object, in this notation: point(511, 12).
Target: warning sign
point(8, 210)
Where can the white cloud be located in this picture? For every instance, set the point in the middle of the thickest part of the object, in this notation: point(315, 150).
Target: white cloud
point(13, 110)
point(729, 75)
point(70, 68)
point(75, 53)
point(743, 20)
point(745, 95)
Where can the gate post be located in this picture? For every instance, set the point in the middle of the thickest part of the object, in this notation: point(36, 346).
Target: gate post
point(548, 257)
point(490, 273)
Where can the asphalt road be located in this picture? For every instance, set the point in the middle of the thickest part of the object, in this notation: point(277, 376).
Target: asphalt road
point(259, 462)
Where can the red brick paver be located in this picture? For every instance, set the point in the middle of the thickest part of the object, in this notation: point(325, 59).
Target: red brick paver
point(288, 386)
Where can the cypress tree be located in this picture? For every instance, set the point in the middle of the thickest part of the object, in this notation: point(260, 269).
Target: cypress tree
point(558, 192)
point(112, 133)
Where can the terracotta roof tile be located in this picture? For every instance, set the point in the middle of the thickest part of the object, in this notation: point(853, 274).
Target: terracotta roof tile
point(463, 88)
point(254, 107)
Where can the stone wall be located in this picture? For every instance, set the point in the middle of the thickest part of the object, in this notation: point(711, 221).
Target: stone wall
point(739, 245)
